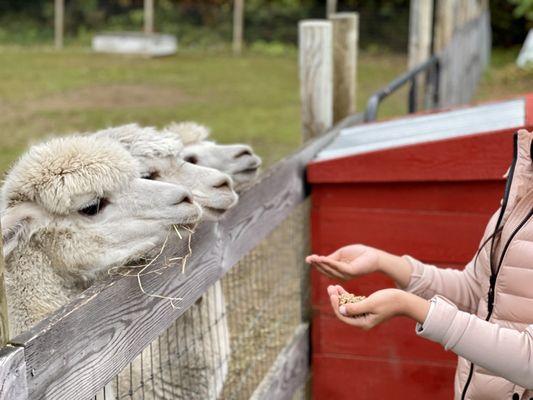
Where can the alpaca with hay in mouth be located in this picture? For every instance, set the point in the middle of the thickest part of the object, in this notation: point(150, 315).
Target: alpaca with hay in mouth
point(72, 208)
point(199, 349)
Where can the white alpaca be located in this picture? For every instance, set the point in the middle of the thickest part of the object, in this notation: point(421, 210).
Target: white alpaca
point(196, 354)
point(72, 208)
point(157, 155)
point(237, 160)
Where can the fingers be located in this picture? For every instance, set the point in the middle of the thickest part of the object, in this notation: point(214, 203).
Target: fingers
point(332, 263)
point(330, 271)
point(364, 322)
point(315, 261)
point(356, 309)
point(336, 290)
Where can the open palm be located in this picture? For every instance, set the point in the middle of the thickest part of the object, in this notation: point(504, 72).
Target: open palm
point(347, 262)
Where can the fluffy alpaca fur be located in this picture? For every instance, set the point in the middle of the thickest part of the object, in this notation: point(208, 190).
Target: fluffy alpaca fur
point(237, 160)
point(204, 348)
point(63, 204)
point(157, 155)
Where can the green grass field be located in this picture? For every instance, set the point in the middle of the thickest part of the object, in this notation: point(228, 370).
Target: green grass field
point(253, 98)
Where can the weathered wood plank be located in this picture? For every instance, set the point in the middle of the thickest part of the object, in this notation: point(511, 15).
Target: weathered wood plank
point(59, 23)
point(77, 350)
point(238, 23)
point(12, 374)
point(148, 16)
point(420, 26)
point(345, 42)
point(289, 371)
point(316, 76)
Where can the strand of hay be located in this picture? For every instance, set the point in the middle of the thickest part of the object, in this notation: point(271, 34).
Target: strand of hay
point(142, 269)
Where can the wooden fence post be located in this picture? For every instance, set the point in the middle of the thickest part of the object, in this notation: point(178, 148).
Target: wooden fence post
point(345, 40)
point(331, 7)
point(444, 24)
point(316, 75)
point(238, 23)
point(148, 16)
point(59, 17)
point(4, 320)
point(420, 27)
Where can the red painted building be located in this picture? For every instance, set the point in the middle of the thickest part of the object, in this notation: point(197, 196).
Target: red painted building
point(422, 185)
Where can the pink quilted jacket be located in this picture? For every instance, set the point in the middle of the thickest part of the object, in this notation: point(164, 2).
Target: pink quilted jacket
point(484, 313)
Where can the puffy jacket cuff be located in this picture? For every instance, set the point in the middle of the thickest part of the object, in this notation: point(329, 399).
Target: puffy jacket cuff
point(438, 321)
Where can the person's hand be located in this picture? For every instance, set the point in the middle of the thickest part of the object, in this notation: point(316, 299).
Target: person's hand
point(378, 307)
point(347, 262)
point(357, 259)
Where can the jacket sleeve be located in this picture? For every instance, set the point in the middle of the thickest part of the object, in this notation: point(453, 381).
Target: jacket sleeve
point(462, 287)
point(505, 352)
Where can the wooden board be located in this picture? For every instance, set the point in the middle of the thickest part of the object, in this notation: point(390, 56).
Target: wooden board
point(77, 350)
point(394, 341)
point(437, 237)
point(289, 371)
point(470, 158)
point(337, 377)
point(475, 197)
point(12, 374)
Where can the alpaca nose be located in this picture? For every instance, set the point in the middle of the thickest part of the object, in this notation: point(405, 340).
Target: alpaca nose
point(184, 197)
point(223, 183)
point(242, 153)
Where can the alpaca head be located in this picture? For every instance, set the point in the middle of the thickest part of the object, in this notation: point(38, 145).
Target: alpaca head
point(237, 160)
point(81, 202)
point(157, 155)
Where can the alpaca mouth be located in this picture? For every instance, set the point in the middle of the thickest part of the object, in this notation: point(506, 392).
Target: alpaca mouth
point(215, 211)
point(248, 171)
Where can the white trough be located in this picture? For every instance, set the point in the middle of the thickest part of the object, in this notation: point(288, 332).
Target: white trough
point(152, 44)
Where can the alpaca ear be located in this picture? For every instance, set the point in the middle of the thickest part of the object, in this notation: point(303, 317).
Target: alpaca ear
point(18, 224)
point(189, 132)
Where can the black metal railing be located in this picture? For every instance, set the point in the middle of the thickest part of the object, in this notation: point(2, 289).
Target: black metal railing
point(431, 68)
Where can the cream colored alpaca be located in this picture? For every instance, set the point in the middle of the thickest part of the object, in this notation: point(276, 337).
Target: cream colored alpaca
point(157, 154)
point(193, 358)
point(72, 208)
point(237, 160)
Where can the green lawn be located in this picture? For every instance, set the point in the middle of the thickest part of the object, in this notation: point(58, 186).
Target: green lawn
point(253, 99)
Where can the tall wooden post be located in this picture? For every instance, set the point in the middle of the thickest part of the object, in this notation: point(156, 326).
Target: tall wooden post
point(4, 321)
point(238, 23)
point(148, 16)
point(345, 42)
point(316, 75)
point(59, 24)
point(420, 28)
point(444, 24)
point(331, 7)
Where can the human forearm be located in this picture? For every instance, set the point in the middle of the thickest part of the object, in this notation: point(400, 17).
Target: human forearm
point(397, 268)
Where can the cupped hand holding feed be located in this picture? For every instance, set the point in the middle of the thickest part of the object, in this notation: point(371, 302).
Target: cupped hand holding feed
point(378, 307)
point(347, 262)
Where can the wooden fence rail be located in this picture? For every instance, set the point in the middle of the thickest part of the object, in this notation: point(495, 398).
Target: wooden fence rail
point(80, 348)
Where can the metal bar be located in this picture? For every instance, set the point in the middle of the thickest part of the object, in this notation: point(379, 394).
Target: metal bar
point(413, 96)
point(380, 95)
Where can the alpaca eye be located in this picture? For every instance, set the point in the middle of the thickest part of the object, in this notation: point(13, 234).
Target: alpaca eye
point(94, 208)
point(191, 159)
point(154, 175)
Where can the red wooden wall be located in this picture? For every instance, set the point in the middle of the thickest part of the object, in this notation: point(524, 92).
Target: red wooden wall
point(431, 201)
